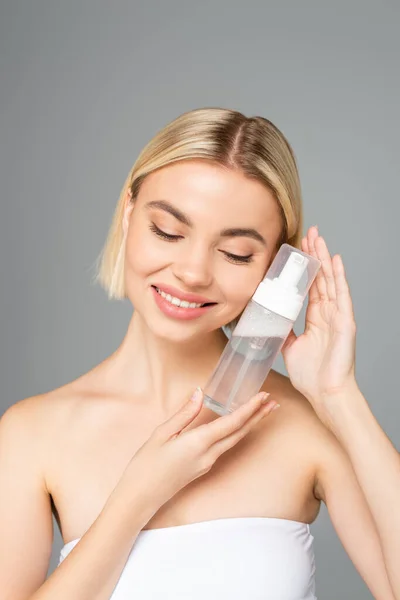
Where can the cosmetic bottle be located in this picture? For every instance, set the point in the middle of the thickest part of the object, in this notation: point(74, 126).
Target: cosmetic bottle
point(261, 330)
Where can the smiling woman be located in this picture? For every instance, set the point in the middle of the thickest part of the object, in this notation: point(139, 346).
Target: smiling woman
point(155, 495)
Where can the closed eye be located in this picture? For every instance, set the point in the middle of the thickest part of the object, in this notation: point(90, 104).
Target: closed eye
point(174, 238)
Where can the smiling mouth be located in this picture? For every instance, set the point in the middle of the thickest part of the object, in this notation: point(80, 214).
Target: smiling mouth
point(182, 303)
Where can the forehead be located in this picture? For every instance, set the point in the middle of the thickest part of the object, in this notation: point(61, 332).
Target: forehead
point(206, 190)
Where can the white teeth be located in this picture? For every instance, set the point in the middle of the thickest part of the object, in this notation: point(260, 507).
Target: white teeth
point(178, 302)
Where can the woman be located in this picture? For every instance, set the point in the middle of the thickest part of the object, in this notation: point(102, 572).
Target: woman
point(156, 496)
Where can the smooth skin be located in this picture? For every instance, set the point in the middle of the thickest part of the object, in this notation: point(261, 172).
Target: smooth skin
point(76, 451)
point(174, 455)
point(168, 461)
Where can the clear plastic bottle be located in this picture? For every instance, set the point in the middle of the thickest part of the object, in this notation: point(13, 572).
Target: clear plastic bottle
point(261, 331)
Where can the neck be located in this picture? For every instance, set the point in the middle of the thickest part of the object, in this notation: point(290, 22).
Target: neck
point(161, 372)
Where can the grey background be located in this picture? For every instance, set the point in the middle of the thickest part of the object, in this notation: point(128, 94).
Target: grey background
point(84, 85)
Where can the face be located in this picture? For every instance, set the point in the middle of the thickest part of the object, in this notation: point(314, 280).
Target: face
point(204, 233)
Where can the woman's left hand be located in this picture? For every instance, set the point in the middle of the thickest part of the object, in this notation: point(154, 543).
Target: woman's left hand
point(321, 361)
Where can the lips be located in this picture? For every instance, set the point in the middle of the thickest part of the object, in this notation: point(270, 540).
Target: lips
point(169, 289)
point(175, 312)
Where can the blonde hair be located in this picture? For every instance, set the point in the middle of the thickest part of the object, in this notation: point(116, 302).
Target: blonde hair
point(252, 145)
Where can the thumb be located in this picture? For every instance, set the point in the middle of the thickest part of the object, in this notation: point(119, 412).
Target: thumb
point(291, 338)
point(185, 415)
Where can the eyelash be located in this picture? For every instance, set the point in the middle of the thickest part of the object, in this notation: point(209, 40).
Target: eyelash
point(174, 238)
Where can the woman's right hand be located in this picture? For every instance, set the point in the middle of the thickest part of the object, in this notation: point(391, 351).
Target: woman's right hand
point(171, 458)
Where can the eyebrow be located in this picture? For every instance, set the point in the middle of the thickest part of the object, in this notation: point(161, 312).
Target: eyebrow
point(229, 232)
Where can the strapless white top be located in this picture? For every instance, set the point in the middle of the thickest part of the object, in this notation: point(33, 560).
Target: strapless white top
point(238, 558)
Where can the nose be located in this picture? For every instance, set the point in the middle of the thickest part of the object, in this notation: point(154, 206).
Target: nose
point(194, 268)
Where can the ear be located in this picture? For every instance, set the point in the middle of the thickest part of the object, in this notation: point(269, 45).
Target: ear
point(128, 207)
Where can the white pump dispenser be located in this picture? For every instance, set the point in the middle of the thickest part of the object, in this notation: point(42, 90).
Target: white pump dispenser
point(262, 330)
point(281, 293)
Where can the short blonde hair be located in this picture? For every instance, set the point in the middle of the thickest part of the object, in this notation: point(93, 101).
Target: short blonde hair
point(252, 145)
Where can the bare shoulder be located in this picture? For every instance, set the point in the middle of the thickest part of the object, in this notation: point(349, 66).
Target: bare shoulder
point(39, 413)
point(49, 412)
point(34, 424)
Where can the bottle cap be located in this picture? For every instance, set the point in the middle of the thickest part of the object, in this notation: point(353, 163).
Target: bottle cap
point(287, 282)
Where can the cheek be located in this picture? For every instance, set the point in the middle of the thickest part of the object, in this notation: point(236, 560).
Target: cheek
point(239, 285)
point(141, 256)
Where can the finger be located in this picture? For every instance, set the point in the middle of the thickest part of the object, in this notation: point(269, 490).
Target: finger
point(220, 428)
point(327, 269)
point(231, 440)
point(185, 415)
point(313, 293)
point(344, 301)
point(320, 278)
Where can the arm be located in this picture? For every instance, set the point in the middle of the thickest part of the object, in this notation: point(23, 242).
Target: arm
point(26, 525)
point(92, 569)
point(338, 487)
point(376, 465)
point(321, 365)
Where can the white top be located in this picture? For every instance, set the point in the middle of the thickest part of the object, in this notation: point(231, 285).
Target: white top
point(252, 558)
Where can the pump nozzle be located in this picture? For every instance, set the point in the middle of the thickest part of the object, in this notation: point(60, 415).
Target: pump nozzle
point(293, 270)
point(283, 289)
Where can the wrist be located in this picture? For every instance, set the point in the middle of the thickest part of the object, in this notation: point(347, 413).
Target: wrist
point(338, 408)
point(134, 502)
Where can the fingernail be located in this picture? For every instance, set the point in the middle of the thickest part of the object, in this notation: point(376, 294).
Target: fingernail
point(196, 394)
point(275, 407)
point(264, 397)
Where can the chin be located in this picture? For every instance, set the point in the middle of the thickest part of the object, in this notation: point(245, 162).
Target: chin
point(180, 332)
